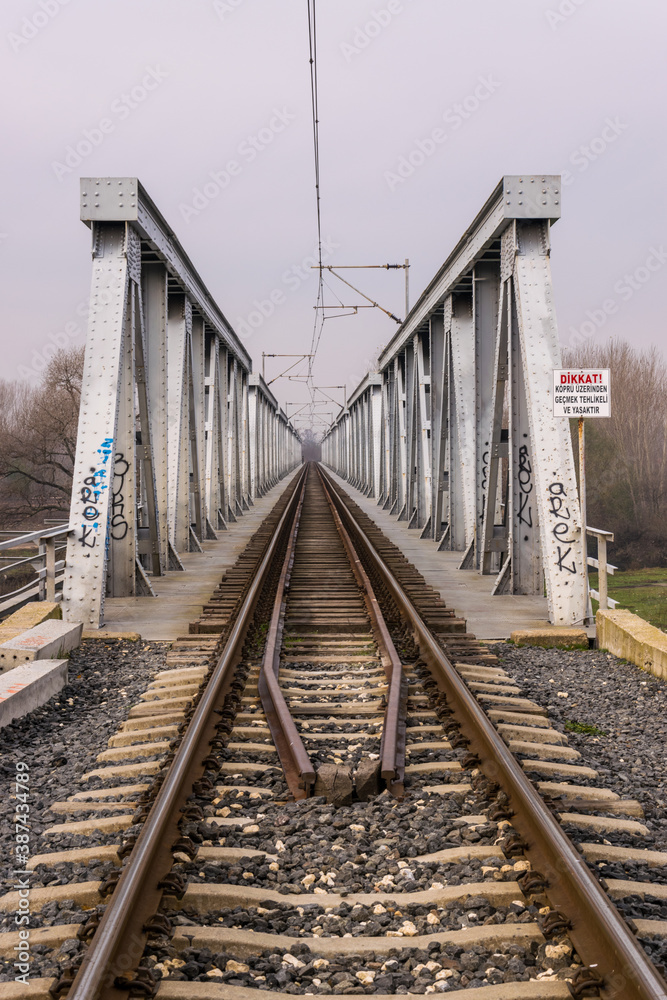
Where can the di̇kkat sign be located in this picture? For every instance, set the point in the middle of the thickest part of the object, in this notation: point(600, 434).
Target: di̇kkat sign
point(582, 392)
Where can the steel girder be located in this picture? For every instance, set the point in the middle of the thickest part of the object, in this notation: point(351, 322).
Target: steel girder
point(176, 435)
point(460, 441)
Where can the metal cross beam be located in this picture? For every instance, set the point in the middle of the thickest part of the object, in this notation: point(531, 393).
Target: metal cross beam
point(455, 433)
point(176, 436)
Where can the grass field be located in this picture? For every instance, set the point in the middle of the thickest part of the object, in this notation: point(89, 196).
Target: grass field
point(642, 591)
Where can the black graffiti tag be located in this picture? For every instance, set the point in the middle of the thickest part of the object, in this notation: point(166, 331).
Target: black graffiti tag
point(91, 495)
point(525, 487)
point(119, 525)
point(557, 497)
point(86, 533)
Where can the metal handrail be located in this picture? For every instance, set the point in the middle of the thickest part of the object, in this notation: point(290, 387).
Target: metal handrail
point(49, 572)
point(33, 536)
point(602, 566)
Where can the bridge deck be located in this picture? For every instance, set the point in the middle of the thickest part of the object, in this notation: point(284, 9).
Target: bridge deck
point(181, 596)
point(465, 590)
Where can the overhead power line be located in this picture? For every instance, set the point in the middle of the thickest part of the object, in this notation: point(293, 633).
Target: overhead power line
point(314, 99)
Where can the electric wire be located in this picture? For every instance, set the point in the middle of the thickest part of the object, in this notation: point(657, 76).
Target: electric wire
point(314, 98)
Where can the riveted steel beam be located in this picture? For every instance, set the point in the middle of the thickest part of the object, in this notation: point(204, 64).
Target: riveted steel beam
point(175, 436)
point(470, 452)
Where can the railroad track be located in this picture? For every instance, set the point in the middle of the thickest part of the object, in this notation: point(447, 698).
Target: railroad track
point(352, 770)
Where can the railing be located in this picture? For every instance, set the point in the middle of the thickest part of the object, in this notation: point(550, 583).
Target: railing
point(49, 569)
point(602, 566)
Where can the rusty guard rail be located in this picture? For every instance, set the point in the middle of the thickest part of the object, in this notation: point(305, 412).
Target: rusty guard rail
point(392, 749)
point(299, 771)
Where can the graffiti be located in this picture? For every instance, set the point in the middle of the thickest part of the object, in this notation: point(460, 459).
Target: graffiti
point(119, 525)
point(91, 495)
point(485, 468)
point(525, 487)
point(562, 527)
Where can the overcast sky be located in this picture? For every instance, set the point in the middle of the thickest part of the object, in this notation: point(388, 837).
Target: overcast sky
point(515, 86)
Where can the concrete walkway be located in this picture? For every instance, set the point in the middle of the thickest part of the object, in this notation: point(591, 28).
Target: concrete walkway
point(181, 596)
point(466, 590)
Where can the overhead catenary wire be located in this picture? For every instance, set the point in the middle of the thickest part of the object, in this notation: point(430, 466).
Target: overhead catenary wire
point(320, 308)
point(374, 304)
point(314, 97)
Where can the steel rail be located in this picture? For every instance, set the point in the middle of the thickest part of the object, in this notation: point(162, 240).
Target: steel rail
point(299, 771)
point(119, 941)
point(392, 750)
point(597, 930)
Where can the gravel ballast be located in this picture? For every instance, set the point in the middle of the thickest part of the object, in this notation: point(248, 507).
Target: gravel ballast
point(626, 709)
point(59, 743)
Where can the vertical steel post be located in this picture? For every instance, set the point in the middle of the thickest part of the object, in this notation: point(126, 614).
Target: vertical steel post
point(486, 291)
point(150, 515)
point(462, 458)
point(562, 533)
point(494, 543)
point(588, 607)
point(84, 583)
point(154, 295)
point(254, 423)
point(50, 568)
point(602, 574)
point(423, 428)
point(438, 424)
point(526, 571)
point(178, 379)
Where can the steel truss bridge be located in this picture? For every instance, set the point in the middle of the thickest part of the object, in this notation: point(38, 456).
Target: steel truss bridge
point(176, 436)
point(455, 434)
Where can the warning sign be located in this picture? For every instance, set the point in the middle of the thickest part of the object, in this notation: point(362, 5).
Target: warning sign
point(582, 392)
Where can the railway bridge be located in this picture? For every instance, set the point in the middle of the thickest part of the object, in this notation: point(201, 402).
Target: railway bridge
point(453, 436)
point(320, 779)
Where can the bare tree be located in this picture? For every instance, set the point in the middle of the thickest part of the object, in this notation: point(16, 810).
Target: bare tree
point(626, 455)
point(311, 447)
point(38, 428)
